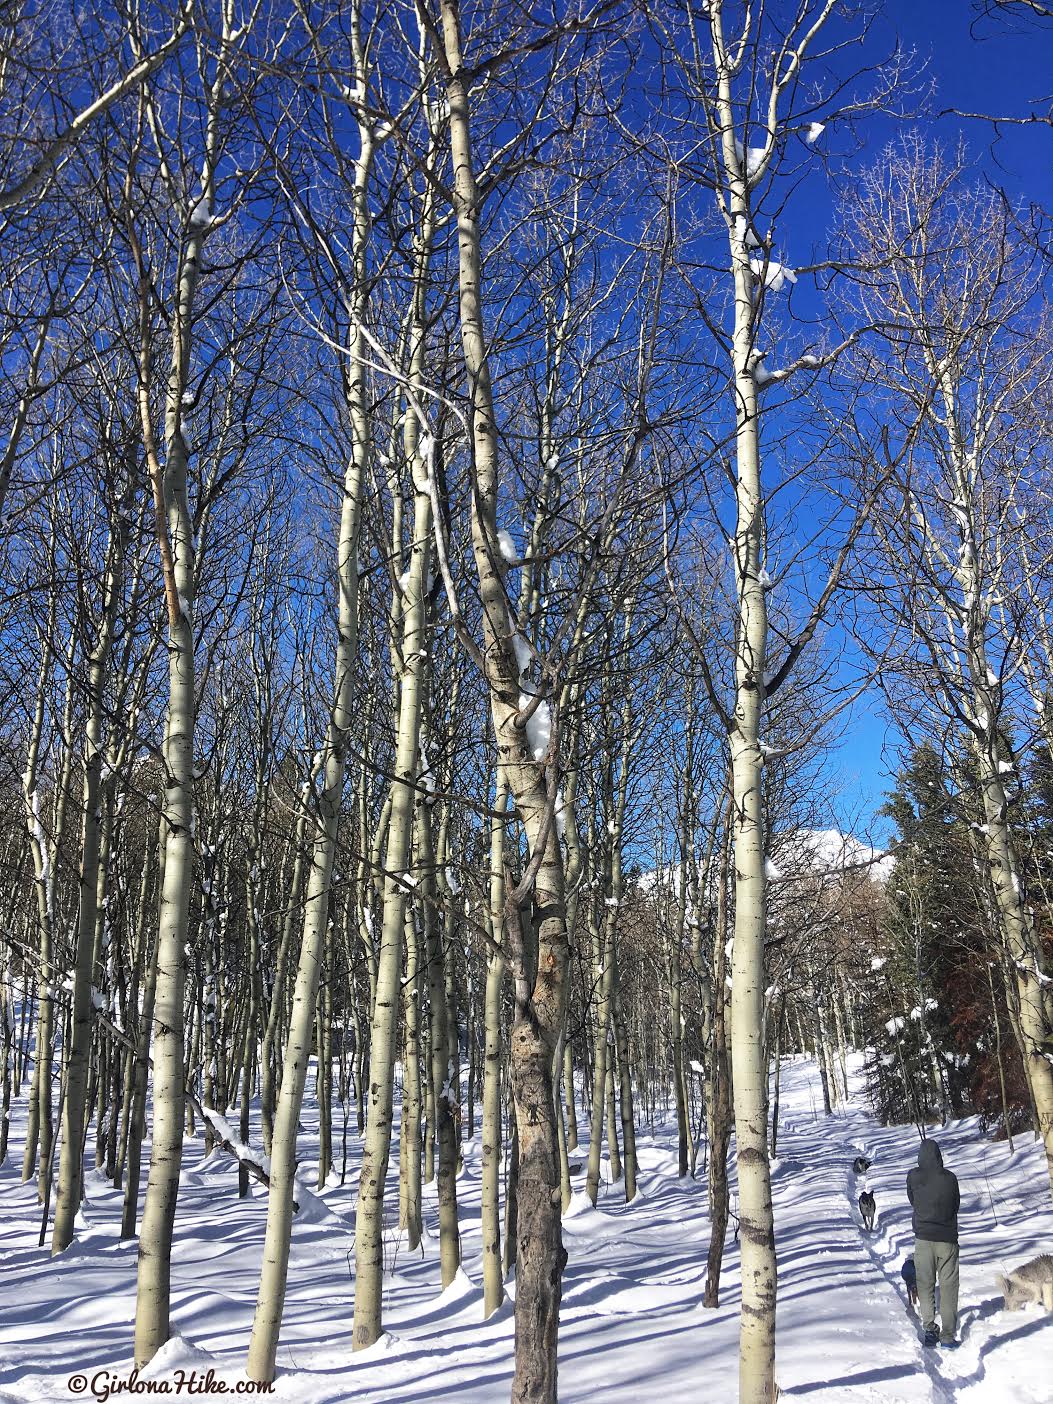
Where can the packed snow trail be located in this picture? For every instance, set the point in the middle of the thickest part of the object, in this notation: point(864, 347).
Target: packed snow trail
point(632, 1325)
point(1004, 1219)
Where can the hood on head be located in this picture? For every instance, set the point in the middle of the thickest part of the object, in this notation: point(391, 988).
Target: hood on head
point(929, 1157)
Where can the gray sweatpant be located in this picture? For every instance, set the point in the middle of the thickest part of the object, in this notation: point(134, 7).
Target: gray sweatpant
point(932, 1260)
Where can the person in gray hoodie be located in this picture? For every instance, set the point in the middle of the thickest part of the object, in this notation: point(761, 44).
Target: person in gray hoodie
point(933, 1192)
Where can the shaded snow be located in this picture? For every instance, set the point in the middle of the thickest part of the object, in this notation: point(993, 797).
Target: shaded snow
point(632, 1327)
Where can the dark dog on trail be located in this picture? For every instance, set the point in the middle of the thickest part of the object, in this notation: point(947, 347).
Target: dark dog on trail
point(910, 1280)
point(868, 1208)
point(860, 1165)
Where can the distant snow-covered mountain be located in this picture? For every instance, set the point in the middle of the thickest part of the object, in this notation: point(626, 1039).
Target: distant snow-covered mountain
point(830, 851)
point(804, 853)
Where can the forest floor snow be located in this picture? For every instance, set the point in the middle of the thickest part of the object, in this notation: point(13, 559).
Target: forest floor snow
point(632, 1325)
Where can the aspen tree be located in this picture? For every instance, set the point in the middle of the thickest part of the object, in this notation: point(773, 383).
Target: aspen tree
point(325, 806)
point(168, 463)
point(407, 790)
point(39, 1129)
point(58, 147)
point(493, 1281)
point(965, 359)
point(71, 1172)
point(722, 71)
point(539, 1004)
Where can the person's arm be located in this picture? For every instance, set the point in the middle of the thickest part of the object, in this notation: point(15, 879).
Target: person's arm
point(910, 1192)
point(957, 1193)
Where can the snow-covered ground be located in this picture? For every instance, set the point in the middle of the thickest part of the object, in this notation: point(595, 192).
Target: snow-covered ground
point(632, 1326)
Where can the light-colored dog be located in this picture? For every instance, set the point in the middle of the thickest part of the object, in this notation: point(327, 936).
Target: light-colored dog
point(1024, 1284)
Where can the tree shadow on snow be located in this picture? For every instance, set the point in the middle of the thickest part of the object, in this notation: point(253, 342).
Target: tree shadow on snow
point(878, 1376)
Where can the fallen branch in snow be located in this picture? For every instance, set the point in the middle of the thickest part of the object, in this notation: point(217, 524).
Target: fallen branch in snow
point(221, 1129)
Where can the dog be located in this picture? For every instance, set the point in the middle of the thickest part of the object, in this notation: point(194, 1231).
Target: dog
point(1024, 1284)
point(860, 1165)
point(910, 1280)
point(868, 1208)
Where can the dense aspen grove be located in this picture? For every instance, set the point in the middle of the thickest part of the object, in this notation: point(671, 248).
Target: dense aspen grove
point(441, 541)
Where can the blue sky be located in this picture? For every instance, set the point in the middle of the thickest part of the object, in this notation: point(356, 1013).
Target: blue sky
point(1005, 70)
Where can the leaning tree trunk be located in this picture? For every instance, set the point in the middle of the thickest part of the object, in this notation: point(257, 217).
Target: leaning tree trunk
point(493, 1277)
point(270, 1301)
point(175, 532)
point(410, 1140)
point(1024, 948)
point(39, 1123)
point(1020, 936)
point(540, 994)
point(406, 786)
point(443, 1093)
point(71, 1169)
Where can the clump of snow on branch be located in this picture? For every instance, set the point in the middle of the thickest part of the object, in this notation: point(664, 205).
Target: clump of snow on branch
point(813, 132)
point(538, 724)
point(523, 653)
point(744, 231)
point(772, 274)
point(507, 547)
point(201, 214)
point(751, 158)
point(539, 715)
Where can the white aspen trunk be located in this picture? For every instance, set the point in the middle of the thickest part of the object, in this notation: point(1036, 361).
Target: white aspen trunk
point(718, 1103)
point(748, 1055)
point(568, 1096)
point(403, 795)
point(175, 542)
point(601, 975)
point(780, 1020)
point(1022, 942)
point(281, 965)
point(410, 1141)
point(617, 892)
point(271, 1297)
point(612, 1114)
point(441, 1073)
point(493, 1278)
point(686, 1151)
point(141, 959)
point(1024, 949)
point(538, 1023)
point(729, 92)
point(155, 1239)
point(324, 1046)
point(39, 1127)
point(71, 1170)
point(826, 1054)
point(45, 849)
point(253, 881)
point(270, 1300)
point(625, 1088)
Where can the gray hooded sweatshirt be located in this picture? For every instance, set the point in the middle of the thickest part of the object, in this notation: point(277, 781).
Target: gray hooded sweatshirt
point(933, 1191)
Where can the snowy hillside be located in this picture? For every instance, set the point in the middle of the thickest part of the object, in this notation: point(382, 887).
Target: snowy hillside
point(827, 853)
point(632, 1324)
point(831, 851)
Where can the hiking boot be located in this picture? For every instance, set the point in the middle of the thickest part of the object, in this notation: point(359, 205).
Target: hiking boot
point(949, 1343)
point(932, 1336)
